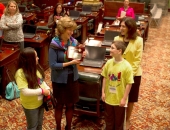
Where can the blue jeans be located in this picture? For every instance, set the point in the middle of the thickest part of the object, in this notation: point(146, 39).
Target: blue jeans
point(34, 118)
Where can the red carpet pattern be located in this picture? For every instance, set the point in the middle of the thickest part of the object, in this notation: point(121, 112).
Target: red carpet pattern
point(152, 112)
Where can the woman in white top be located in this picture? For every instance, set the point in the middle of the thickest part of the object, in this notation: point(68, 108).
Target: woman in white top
point(11, 24)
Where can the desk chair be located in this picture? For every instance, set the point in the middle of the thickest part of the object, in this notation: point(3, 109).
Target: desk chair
point(90, 95)
point(163, 4)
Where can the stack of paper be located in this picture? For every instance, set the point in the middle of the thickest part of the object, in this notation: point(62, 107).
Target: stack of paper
point(123, 14)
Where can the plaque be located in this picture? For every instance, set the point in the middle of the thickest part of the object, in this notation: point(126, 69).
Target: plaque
point(75, 53)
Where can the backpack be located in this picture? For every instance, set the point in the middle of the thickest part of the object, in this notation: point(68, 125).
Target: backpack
point(12, 91)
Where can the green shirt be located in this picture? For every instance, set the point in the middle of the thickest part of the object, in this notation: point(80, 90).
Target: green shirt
point(117, 75)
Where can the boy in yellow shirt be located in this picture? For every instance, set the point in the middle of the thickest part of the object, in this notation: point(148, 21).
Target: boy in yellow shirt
point(117, 81)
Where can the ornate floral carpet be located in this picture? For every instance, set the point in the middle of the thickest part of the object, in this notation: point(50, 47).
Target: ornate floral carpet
point(152, 112)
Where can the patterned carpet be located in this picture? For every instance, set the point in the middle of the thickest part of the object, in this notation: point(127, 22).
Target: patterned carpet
point(152, 112)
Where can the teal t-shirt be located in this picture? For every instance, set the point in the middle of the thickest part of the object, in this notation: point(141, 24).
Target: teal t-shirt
point(117, 75)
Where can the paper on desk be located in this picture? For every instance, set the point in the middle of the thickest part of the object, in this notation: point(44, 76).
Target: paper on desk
point(123, 14)
point(117, 22)
point(93, 43)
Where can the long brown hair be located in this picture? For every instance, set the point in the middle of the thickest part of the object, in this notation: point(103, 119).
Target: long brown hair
point(27, 62)
point(132, 27)
point(55, 12)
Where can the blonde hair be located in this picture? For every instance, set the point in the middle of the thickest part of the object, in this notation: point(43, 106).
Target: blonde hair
point(63, 24)
point(6, 11)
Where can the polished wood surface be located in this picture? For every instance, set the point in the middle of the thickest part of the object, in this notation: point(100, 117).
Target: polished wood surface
point(8, 54)
point(8, 61)
point(83, 21)
point(41, 23)
point(45, 13)
point(28, 16)
point(41, 43)
point(89, 69)
point(95, 16)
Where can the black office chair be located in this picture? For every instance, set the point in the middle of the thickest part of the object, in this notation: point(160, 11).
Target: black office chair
point(90, 95)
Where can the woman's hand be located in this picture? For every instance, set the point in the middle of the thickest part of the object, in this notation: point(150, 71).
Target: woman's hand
point(75, 61)
point(81, 46)
point(84, 53)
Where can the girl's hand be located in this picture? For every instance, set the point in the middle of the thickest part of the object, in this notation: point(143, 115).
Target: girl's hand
point(46, 92)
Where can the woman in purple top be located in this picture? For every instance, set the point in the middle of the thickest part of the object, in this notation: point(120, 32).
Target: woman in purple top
point(128, 10)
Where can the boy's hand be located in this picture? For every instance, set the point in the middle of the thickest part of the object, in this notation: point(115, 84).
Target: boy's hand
point(103, 97)
point(122, 102)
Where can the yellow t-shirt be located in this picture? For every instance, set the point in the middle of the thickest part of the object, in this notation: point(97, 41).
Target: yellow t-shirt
point(28, 102)
point(117, 75)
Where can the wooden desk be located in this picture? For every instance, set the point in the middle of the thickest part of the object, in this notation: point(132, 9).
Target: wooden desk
point(42, 46)
point(80, 21)
point(41, 23)
point(89, 69)
point(83, 21)
point(95, 16)
point(44, 14)
point(68, 7)
point(28, 17)
point(8, 60)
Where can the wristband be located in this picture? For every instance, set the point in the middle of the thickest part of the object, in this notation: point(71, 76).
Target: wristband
point(42, 91)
